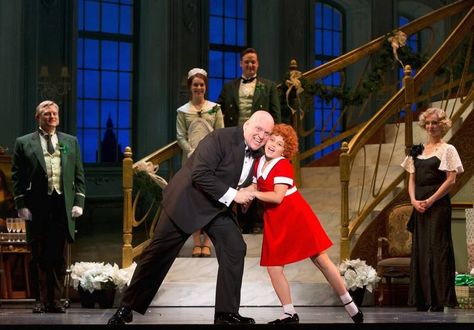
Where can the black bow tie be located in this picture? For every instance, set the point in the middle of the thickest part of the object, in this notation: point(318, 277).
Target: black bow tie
point(253, 153)
point(248, 80)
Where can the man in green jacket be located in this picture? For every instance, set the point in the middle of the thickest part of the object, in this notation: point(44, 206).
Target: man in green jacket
point(49, 189)
point(241, 97)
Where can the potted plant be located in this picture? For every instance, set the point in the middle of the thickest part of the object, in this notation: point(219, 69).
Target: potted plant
point(358, 277)
point(464, 286)
point(97, 282)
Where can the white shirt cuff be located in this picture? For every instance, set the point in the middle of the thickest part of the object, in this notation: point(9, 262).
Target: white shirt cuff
point(228, 197)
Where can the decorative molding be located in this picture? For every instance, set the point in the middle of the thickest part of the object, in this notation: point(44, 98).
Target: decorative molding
point(190, 15)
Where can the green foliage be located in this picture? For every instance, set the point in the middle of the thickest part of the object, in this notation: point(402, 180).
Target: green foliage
point(383, 62)
point(150, 193)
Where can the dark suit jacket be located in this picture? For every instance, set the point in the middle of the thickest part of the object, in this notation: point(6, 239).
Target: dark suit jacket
point(191, 197)
point(30, 179)
point(265, 98)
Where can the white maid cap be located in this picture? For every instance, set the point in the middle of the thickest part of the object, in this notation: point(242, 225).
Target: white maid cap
point(193, 71)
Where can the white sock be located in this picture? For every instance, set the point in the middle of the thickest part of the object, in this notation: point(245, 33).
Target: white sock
point(349, 305)
point(288, 311)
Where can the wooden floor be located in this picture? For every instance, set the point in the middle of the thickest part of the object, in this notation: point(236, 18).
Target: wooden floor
point(19, 316)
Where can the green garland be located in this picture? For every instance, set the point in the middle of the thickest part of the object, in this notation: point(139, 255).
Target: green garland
point(382, 63)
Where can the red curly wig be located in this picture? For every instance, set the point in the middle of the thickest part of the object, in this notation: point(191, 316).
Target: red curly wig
point(289, 136)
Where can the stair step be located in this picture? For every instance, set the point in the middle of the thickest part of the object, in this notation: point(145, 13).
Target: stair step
point(191, 282)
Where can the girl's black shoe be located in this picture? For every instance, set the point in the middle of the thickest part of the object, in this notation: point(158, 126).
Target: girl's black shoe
point(293, 319)
point(358, 318)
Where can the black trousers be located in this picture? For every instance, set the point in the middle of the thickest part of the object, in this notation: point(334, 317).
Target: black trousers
point(48, 241)
point(158, 257)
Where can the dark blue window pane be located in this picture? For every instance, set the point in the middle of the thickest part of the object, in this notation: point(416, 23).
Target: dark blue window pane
point(92, 16)
point(337, 21)
point(241, 7)
point(80, 15)
point(125, 111)
point(91, 114)
point(215, 86)
point(125, 85)
point(241, 33)
point(125, 56)
point(90, 143)
point(327, 17)
point(108, 111)
point(91, 55)
point(230, 8)
point(80, 54)
point(318, 42)
point(327, 43)
point(126, 20)
point(337, 50)
point(318, 19)
point(109, 85)
point(215, 63)
point(230, 65)
point(110, 18)
point(109, 55)
point(215, 30)
point(123, 139)
point(127, 2)
point(230, 31)
point(80, 83)
point(216, 7)
point(91, 79)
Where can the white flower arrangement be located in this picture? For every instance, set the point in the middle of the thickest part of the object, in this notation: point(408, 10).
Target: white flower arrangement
point(92, 276)
point(357, 274)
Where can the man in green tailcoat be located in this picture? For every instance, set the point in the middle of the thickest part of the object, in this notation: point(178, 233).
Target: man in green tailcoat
point(49, 188)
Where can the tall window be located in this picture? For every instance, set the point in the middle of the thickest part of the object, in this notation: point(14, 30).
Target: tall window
point(104, 78)
point(328, 44)
point(227, 38)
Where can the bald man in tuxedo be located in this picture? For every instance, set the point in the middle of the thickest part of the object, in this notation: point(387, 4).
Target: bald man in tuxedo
point(202, 195)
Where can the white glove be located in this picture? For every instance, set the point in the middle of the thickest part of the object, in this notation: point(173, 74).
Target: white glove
point(25, 213)
point(76, 211)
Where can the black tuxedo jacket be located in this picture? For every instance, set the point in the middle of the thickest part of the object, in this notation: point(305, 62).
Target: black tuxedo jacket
point(265, 97)
point(191, 198)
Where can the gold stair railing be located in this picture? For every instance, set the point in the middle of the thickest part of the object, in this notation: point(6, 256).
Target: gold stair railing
point(163, 156)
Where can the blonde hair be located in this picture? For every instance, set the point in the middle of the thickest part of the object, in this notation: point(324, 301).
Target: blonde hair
point(445, 123)
point(44, 105)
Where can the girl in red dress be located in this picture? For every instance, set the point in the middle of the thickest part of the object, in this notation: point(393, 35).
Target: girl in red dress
point(292, 231)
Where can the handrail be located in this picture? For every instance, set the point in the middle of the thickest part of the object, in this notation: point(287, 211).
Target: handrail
point(402, 99)
point(372, 47)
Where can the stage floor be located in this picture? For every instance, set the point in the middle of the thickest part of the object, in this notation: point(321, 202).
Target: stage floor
point(20, 316)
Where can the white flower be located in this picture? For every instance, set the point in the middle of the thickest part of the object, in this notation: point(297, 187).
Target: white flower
point(97, 275)
point(357, 274)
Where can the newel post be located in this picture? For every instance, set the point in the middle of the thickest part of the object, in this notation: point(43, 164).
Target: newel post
point(344, 165)
point(127, 186)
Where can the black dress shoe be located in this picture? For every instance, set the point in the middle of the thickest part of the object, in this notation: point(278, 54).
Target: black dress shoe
point(292, 319)
point(358, 318)
point(55, 308)
point(123, 315)
point(422, 308)
point(38, 307)
point(436, 308)
point(231, 318)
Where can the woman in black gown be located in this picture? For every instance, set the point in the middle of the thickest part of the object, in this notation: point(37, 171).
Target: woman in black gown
point(432, 167)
